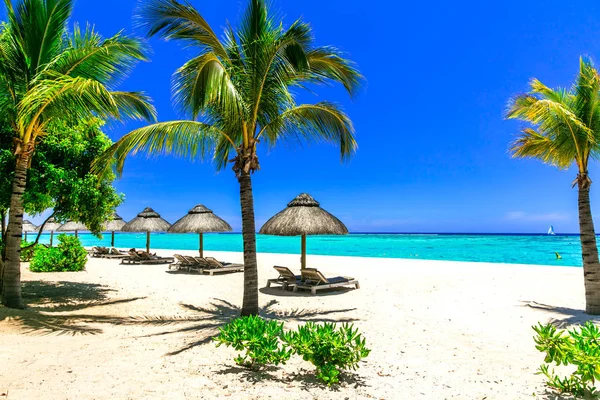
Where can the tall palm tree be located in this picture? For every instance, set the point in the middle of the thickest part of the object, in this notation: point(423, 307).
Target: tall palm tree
point(48, 73)
point(565, 133)
point(236, 91)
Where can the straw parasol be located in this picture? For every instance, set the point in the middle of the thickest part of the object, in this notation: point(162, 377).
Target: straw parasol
point(50, 226)
point(303, 216)
point(147, 221)
point(200, 220)
point(28, 227)
point(114, 224)
point(72, 226)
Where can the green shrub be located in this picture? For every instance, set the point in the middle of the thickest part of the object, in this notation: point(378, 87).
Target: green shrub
point(258, 338)
point(27, 250)
point(328, 348)
point(68, 255)
point(579, 347)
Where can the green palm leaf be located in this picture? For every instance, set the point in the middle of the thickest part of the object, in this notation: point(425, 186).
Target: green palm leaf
point(188, 139)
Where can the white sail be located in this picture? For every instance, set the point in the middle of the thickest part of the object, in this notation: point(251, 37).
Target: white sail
point(551, 230)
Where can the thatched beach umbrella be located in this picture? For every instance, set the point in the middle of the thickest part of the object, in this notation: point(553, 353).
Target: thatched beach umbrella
point(72, 226)
point(303, 216)
point(51, 226)
point(115, 224)
point(200, 220)
point(28, 227)
point(147, 221)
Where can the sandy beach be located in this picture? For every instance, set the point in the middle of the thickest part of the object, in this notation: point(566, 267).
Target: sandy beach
point(437, 330)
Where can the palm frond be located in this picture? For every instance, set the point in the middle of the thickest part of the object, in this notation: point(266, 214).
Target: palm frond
point(40, 25)
point(187, 139)
point(134, 105)
point(90, 56)
point(531, 144)
point(313, 123)
point(204, 81)
point(83, 98)
point(326, 65)
point(174, 20)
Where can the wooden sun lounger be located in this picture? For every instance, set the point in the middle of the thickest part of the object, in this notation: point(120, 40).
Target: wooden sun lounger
point(314, 280)
point(286, 278)
point(182, 262)
point(98, 252)
point(214, 266)
point(145, 258)
point(114, 254)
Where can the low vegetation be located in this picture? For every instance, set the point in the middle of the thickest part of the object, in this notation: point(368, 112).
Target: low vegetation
point(328, 347)
point(578, 348)
point(68, 255)
point(258, 338)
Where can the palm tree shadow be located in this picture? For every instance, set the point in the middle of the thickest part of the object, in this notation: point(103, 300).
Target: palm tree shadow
point(568, 316)
point(45, 303)
point(206, 324)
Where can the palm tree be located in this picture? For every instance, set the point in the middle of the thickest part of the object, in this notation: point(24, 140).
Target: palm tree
point(237, 93)
point(49, 74)
point(566, 132)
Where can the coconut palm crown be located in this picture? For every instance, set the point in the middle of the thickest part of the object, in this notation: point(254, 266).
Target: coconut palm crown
point(48, 73)
point(237, 94)
point(564, 131)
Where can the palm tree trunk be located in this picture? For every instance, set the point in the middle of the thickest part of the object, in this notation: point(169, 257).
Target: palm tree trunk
point(589, 249)
point(11, 280)
point(250, 301)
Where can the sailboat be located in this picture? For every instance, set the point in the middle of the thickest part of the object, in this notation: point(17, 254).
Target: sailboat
point(551, 231)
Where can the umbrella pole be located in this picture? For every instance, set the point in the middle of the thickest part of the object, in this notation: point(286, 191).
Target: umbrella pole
point(76, 234)
point(112, 239)
point(51, 237)
point(25, 237)
point(148, 242)
point(201, 243)
point(303, 256)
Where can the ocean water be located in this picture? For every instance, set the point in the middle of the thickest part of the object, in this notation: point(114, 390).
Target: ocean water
point(519, 249)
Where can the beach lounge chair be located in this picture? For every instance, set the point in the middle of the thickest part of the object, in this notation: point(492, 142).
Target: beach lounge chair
point(135, 257)
point(114, 254)
point(98, 251)
point(214, 266)
point(182, 263)
point(196, 263)
point(286, 278)
point(314, 280)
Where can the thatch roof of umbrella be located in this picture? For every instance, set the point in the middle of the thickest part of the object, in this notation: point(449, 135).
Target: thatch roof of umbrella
point(146, 221)
point(29, 227)
point(115, 224)
point(71, 226)
point(199, 220)
point(303, 216)
point(51, 225)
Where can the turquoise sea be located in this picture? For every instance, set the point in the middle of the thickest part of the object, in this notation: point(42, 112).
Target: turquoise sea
point(520, 249)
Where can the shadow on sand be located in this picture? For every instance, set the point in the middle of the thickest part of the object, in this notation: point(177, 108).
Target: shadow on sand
point(307, 379)
point(568, 316)
point(46, 305)
point(208, 320)
point(278, 291)
point(59, 308)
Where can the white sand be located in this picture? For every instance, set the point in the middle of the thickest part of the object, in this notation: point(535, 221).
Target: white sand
point(437, 330)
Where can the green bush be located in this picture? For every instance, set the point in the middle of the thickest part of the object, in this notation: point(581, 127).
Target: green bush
point(258, 338)
point(27, 250)
point(328, 348)
point(68, 255)
point(579, 347)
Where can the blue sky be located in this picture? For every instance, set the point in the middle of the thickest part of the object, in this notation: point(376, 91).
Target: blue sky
point(432, 141)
